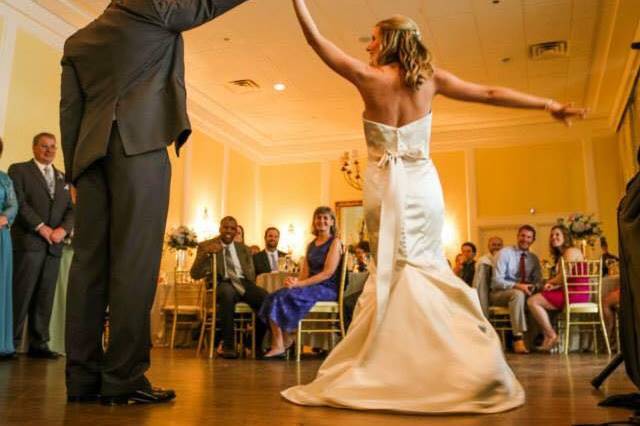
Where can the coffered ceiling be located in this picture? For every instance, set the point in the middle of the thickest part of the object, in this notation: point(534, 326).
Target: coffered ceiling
point(319, 114)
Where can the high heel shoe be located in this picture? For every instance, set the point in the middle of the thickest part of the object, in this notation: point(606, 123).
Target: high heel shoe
point(284, 355)
point(549, 345)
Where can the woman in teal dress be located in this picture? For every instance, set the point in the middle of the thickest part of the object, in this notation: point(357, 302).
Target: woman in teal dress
point(8, 211)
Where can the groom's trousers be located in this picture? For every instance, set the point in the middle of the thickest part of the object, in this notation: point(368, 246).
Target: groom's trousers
point(120, 222)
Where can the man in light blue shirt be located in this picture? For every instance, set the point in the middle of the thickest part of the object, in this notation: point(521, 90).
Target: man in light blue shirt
point(516, 274)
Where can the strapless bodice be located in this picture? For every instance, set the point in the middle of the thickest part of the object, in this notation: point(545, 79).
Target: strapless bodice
point(408, 141)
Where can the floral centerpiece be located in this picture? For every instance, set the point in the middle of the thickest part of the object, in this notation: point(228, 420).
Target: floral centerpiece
point(582, 228)
point(180, 240)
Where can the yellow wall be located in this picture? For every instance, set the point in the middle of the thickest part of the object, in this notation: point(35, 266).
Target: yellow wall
point(610, 186)
point(204, 186)
point(241, 195)
point(290, 193)
point(512, 180)
point(451, 168)
point(34, 96)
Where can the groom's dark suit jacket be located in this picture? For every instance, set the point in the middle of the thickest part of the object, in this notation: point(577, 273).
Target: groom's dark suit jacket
point(134, 75)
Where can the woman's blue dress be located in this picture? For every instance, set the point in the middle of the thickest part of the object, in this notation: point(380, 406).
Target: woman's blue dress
point(287, 306)
point(9, 209)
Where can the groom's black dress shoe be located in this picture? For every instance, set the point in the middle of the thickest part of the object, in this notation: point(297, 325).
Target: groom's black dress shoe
point(142, 396)
point(83, 399)
point(43, 353)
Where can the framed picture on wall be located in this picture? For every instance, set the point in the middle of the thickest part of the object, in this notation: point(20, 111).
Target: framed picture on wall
point(351, 225)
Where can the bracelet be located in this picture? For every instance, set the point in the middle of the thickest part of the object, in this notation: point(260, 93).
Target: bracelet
point(547, 105)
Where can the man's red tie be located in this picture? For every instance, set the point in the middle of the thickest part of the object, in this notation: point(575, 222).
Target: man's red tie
point(522, 267)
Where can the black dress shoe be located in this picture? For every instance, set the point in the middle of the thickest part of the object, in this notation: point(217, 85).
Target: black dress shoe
point(276, 357)
point(142, 396)
point(8, 357)
point(82, 399)
point(43, 353)
point(229, 354)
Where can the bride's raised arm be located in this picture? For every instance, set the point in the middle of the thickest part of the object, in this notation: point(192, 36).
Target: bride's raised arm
point(347, 66)
point(453, 87)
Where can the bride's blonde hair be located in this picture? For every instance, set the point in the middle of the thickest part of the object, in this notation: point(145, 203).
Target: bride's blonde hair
point(401, 42)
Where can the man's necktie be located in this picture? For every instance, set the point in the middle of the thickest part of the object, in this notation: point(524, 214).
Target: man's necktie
point(51, 183)
point(273, 262)
point(523, 267)
point(231, 272)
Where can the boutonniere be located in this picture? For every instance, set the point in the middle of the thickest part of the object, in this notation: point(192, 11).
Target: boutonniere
point(59, 175)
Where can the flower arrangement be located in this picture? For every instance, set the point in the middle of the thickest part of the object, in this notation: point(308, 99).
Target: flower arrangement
point(582, 227)
point(182, 238)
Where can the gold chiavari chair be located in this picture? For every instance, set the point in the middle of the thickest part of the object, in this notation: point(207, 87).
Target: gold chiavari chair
point(244, 319)
point(186, 303)
point(500, 319)
point(589, 313)
point(334, 310)
point(498, 316)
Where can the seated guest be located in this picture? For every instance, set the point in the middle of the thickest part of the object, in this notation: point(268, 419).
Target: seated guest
point(495, 245)
point(356, 281)
point(516, 275)
point(8, 212)
point(362, 252)
point(484, 271)
point(318, 281)
point(236, 280)
point(468, 267)
point(267, 260)
point(240, 235)
point(552, 296)
point(459, 264)
point(607, 257)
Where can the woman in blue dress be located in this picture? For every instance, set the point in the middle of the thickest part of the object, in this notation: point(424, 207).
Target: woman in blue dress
point(8, 212)
point(317, 281)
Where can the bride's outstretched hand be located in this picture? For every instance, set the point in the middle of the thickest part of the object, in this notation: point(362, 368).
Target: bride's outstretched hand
point(567, 112)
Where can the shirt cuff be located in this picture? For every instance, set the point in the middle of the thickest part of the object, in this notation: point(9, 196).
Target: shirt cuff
point(39, 226)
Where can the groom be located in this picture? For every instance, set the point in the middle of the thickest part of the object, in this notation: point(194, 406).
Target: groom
point(123, 101)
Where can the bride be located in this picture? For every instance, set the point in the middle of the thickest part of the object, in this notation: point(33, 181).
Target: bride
point(418, 342)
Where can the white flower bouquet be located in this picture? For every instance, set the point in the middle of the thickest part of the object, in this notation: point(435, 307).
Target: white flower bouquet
point(182, 238)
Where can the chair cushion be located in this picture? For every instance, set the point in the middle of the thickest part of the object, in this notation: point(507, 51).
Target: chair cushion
point(243, 308)
point(183, 309)
point(498, 310)
point(327, 307)
point(589, 307)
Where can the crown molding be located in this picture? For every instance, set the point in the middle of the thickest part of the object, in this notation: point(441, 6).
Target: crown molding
point(37, 20)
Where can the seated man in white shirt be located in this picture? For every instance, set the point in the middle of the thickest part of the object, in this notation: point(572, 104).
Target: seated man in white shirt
point(236, 280)
point(495, 245)
point(516, 274)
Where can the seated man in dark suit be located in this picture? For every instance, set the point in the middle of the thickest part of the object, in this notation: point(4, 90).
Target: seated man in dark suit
point(267, 260)
point(236, 280)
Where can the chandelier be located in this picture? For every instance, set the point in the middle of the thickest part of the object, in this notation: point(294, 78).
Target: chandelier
point(351, 169)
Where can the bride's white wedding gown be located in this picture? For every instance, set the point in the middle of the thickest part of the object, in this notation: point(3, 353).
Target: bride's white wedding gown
point(418, 341)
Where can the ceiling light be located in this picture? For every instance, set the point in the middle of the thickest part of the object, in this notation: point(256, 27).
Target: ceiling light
point(279, 87)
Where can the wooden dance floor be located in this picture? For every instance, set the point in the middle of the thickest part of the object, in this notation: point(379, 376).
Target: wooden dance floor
point(245, 392)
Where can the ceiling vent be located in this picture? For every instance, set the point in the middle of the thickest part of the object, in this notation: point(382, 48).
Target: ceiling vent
point(244, 85)
point(548, 50)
